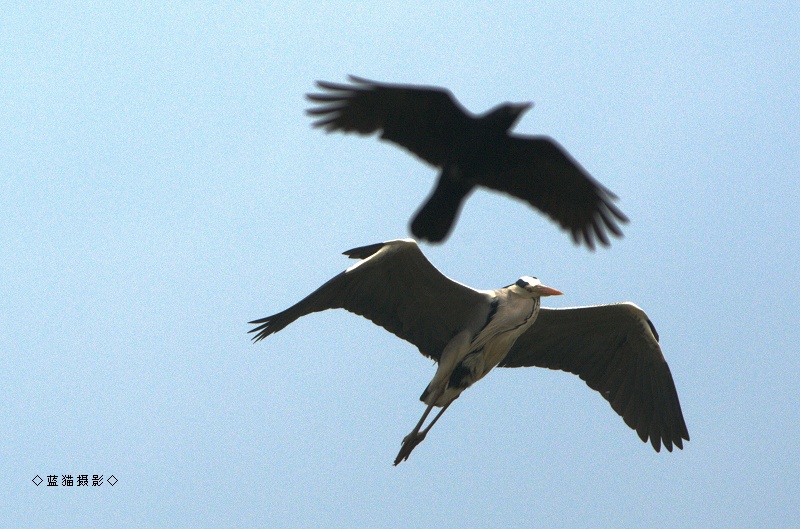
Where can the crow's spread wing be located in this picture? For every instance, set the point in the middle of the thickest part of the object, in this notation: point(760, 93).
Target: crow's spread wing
point(421, 119)
point(540, 172)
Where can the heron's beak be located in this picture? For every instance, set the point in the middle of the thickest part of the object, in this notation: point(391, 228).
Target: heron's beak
point(542, 291)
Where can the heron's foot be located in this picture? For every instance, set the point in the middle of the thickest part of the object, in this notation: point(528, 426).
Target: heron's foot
point(410, 441)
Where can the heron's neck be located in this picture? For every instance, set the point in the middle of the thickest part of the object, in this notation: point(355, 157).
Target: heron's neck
point(510, 316)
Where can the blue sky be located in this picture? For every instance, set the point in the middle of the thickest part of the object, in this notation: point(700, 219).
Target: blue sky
point(161, 186)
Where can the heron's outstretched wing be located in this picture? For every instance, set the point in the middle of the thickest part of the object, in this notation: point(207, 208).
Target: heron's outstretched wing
point(540, 171)
point(421, 119)
point(396, 287)
point(614, 348)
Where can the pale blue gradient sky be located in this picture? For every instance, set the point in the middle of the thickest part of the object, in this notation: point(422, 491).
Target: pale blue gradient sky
point(160, 186)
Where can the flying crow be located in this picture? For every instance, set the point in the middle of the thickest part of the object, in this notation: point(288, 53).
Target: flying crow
point(471, 151)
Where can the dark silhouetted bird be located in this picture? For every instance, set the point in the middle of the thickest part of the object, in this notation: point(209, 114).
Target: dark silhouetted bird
point(614, 348)
point(471, 151)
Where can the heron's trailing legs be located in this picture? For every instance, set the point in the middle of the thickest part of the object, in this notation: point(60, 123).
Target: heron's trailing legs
point(416, 437)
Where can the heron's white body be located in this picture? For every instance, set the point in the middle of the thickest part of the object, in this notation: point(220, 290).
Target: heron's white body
point(480, 352)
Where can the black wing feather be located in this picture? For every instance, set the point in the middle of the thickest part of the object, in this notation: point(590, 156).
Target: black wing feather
point(541, 172)
point(419, 118)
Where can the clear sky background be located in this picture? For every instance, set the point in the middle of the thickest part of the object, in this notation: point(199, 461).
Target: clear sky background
point(160, 185)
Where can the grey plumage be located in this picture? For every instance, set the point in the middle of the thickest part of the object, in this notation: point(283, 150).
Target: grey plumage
point(615, 350)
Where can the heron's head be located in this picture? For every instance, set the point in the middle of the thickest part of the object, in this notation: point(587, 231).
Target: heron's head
point(533, 288)
point(506, 115)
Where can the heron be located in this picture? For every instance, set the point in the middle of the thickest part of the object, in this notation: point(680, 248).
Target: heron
point(613, 348)
point(471, 151)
